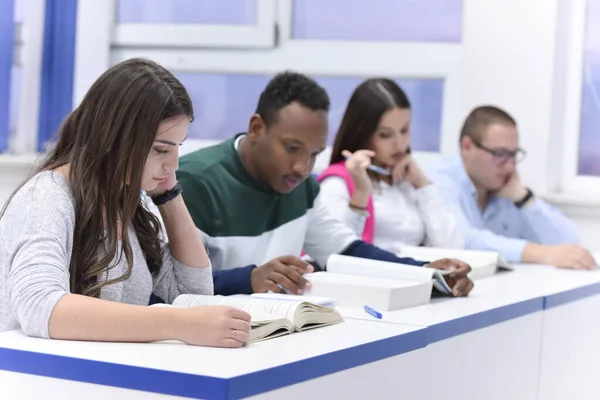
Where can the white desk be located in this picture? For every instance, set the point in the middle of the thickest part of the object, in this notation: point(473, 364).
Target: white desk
point(536, 323)
point(528, 334)
point(571, 336)
point(200, 372)
point(489, 341)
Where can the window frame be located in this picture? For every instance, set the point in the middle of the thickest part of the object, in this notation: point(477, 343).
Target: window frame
point(571, 59)
point(28, 53)
point(7, 56)
point(259, 36)
point(290, 5)
point(396, 60)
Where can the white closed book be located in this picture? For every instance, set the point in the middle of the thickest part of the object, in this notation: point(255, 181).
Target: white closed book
point(383, 269)
point(358, 291)
point(483, 263)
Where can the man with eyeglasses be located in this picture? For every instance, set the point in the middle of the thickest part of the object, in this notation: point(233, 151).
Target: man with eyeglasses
point(494, 209)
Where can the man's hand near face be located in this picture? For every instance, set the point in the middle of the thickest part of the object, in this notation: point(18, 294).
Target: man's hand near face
point(513, 189)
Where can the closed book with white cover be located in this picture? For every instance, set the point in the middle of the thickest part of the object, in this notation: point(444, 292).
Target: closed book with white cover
point(380, 293)
point(483, 263)
point(383, 269)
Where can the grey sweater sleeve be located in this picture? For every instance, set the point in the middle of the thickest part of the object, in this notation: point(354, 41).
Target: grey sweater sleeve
point(37, 235)
point(175, 278)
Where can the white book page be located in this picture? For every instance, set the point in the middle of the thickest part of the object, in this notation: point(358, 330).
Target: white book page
point(475, 258)
point(318, 300)
point(259, 309)
point(597, 259)
point(378, 269)
point(360, 281)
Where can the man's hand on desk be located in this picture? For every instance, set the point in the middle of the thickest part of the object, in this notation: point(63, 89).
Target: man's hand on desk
point(280, 274)
point(568, 256)
point(458, 280)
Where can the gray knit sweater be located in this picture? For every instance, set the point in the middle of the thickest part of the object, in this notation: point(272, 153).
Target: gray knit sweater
point(36, 239)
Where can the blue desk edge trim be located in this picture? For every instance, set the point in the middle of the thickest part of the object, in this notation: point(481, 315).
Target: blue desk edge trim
point(206, 387)
point(473, 322)
point(569, 296)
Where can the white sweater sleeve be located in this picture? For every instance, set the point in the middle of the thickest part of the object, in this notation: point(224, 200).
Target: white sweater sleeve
point(441, 227)
point(325, 235)
point(336, 198)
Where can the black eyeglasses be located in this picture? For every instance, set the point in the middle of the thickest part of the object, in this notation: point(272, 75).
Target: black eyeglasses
point(501, 156)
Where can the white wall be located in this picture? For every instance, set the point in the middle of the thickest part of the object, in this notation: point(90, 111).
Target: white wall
point(509, 52)
point(512, 55)
point(13, 171)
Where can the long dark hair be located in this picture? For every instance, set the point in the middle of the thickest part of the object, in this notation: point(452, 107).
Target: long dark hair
point(106, 141)
point(370, 100)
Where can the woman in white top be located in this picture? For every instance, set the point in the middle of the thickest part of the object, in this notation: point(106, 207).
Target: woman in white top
point(80, 252)
point(397, 206)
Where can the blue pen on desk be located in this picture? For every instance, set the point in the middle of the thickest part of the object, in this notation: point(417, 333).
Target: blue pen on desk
point(377, 169)
point(374, 313)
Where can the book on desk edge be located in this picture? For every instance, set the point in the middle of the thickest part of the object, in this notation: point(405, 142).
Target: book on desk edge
point(483, 263)
point(387, 286)
point(383, 269)
point(269, 318)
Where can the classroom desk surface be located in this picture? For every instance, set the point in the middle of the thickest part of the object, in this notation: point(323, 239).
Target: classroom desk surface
point(179, 369)
point(507, 294)
point(200, 372)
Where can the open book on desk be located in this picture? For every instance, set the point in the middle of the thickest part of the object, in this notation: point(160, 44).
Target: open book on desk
point(356, 282)
point(483, 263)
point(317, 300)
point(270, 318)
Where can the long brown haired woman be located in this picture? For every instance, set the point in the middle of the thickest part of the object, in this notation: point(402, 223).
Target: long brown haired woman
point(80, 253)
point(397, 206)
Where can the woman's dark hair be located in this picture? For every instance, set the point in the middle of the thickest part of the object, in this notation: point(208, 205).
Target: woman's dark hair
point(370, 100)
point(106, 141)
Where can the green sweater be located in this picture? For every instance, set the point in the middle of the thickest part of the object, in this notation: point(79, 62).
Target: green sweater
point(244, 223)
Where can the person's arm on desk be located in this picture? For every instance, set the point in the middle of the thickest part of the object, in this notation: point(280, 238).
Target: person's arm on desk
point(512, 249)
point(326, 236)
point(520, 250)
point(276, 275)
point(458, 280)
point(562, 256)
point(41, 301)
point(39, 293)
point(551, 236)
point(547, 225)
point(78, 317)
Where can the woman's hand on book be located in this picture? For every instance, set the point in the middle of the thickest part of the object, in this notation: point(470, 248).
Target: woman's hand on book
point(280, 274)
point(215, 326)
point(458, 280)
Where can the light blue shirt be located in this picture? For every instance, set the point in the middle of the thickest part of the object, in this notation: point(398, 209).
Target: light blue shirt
point(501, 227)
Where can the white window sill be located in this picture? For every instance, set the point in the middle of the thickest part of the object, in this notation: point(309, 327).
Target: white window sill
point(572, 203)
point(575, 203)
point(19, 161)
